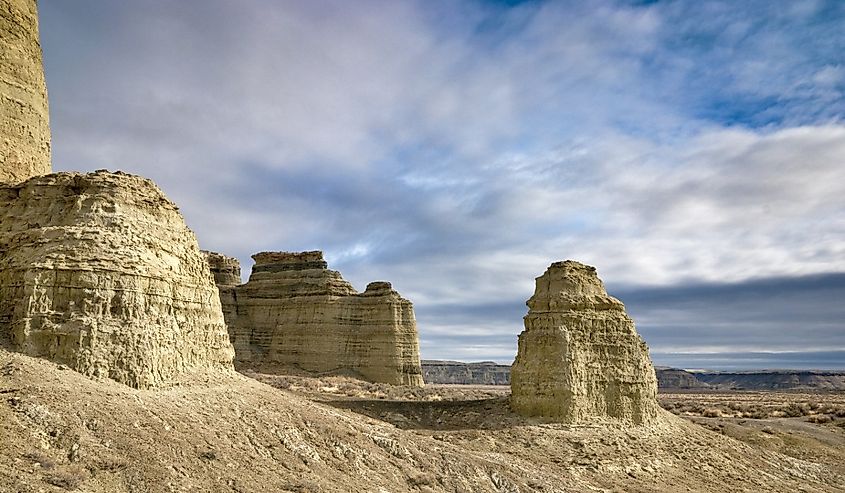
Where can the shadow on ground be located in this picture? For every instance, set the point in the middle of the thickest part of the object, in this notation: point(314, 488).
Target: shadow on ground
point(477, 414)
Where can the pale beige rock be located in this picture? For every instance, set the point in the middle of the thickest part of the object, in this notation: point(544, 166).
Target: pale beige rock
point(226, 270)
point(295, 313)
point(24, 120)
point(227, 275)
point(98, 271)
point(580, 358)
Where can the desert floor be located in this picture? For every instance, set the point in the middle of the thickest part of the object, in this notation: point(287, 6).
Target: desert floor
point(252, 432)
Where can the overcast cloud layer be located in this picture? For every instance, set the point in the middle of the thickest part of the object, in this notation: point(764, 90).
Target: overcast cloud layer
point(693, 151)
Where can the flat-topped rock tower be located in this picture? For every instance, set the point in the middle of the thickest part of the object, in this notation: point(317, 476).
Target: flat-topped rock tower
point(296, 313)
point(99, 272)
point(580, 358)
point(24, 119)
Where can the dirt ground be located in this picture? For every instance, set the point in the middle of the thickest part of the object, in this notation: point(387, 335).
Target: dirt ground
point(60, 431)
point(804, 425)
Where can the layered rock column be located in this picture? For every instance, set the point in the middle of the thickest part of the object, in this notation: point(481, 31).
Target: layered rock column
point(98, 271)
point(227, 276)
point(24, 120)
point(580, 359)
point(295, 313)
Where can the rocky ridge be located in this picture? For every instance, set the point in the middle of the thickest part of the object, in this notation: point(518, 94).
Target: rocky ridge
point(490, 373)
point(295, 313)
point(24, 119)
point(99, 272)
point(456, 372)
point(774, 380)
point(580, 359)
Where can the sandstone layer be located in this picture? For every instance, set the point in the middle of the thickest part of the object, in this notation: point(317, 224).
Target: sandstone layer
point(24, 120)
point(295, 313)
point(99, 272)
point(227, 276)
point(580, 359)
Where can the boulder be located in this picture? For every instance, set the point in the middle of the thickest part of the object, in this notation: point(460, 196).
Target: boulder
point(99, 272)
point(24, 120)
point(296, 314)
point(580, 359)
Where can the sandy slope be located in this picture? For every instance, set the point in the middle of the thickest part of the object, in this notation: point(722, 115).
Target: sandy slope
point(60, 431)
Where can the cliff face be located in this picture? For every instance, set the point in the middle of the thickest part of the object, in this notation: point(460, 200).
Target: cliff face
point(775, 380)
point(455, 372)
point(580, 358)
point(295, 313)
point(99, 272)
point(24, 120)
point(226, 270)
point(227, 276)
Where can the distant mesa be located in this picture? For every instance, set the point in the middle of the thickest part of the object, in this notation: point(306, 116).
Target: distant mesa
point(99, 272)
point(24, 118)
point(580, 359)
point(455, 372)
point(295, 314)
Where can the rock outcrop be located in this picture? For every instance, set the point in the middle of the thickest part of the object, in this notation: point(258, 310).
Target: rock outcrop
point(580, 359)
point(295, 313)
point(675, 378)
point(24, 120)
point(227, 276)
point(99, 272)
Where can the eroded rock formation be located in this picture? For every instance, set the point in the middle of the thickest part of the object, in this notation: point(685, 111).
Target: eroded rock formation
point(24, 121)
point(227, 276)
point(295, 313)
point(98, 271)
point(580, 358)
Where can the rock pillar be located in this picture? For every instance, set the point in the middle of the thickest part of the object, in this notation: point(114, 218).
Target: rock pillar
point(580, 358)
point(24, 120)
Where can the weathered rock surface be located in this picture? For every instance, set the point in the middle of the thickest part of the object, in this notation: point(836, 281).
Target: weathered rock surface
point(99, 272)
point(24, 120)
point(295, 313)
point(227, 276)
point(580, 359)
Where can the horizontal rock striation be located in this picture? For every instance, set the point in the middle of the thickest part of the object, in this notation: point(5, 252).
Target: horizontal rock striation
point(24, 119)
point(580, 359)
point(295, 313)
point(226, 270)
point(227, 276)
point(98, 271)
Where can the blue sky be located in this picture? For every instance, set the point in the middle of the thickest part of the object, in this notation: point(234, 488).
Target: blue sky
point(693, 151)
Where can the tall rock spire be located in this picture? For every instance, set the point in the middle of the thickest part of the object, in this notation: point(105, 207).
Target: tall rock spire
point(24, 119)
